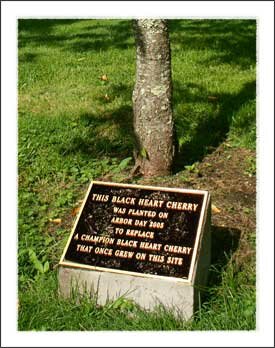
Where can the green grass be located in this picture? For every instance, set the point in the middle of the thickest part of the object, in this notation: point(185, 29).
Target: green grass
point(230, 305)
point(74, 127)
point(214, 84)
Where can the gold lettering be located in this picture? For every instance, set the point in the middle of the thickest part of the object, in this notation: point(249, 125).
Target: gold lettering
point(127, 243)
point(171, 260)
point(141, 223)
point(156, 224)
point(121, 221)
point(154, 203)
point(145, 213)
point(163, 215)
point(124, 254)
point(119, 231)
point(100, 198)
point(181, 206)
point(150, 246)
point(177, 249)
point(140, 234)
point(119, 210)
point(97, 239)
point(141, 256)
point(124, 200)
point(103, 251)
point(84, 248)
point(156, 258)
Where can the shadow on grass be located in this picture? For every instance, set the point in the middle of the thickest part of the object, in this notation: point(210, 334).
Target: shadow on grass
point(213, 129)
point(224, 243)
point(96, 36)
point(234, 40)
point(27, 57)
point(100, 138)
point(42, 26)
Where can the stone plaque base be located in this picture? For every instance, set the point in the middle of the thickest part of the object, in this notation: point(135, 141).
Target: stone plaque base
point(148, 291)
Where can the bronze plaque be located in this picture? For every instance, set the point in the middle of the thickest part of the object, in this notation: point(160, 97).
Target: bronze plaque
point(144, 230)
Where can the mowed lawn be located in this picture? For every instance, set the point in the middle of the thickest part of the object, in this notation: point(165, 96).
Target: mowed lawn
point(75, 82)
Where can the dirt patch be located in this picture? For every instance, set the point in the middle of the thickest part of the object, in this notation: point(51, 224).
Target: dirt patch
point(229, 175)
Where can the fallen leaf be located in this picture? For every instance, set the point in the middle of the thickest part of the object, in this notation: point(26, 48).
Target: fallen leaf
point(104, 78)
point(215, 209)
point(56, 221)
point(75, 211)
point(212, 98)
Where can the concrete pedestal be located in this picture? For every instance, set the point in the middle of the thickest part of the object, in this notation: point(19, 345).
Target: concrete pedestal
point(148, 291)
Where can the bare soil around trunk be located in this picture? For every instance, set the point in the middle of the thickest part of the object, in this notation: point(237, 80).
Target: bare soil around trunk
point(229, 175)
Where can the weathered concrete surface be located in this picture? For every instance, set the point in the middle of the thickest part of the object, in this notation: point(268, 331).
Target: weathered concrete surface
point(147, 292)
point(180, 296)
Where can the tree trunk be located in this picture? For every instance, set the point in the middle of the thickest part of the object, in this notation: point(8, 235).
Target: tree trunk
point(153, 122)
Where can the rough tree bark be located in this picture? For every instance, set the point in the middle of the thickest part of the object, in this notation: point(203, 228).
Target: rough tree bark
point(153, 121)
